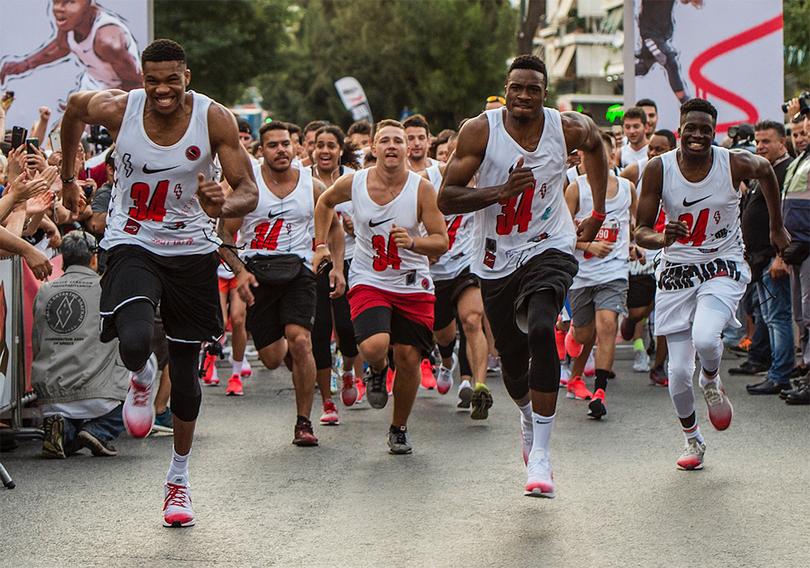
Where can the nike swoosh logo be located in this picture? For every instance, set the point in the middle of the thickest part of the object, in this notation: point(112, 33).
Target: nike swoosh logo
point(373, 224)
point(270, 215)
point(690, 203)
point(146, 170)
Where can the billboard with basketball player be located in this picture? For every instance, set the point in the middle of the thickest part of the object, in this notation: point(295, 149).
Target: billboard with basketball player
point(50, 48)
point(727, 51)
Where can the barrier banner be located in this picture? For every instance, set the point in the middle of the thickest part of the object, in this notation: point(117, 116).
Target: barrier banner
point(6, 331)
point(729, 52)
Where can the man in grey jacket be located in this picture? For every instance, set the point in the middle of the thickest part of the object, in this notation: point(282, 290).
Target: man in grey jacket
point(79, 381)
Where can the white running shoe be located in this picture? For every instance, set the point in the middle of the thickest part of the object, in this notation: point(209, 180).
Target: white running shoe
point(177, 511)
point(692, 455)
point(139, 412)
point(526, 438)
point(444, 379)
point(641, 363)
point(540, 479)
point(465, 394)
point(493, 364)
point(590, 365)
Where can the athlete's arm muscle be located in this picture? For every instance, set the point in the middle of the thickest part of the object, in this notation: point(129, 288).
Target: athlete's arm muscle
point(745, 165)
point(437, 242)
point(582, 134)
point(235, 162)
point(110, 45)
point(454, 195)
point(86, 107)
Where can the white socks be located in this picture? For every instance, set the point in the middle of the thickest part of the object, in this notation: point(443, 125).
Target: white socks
point(236, 367)
point(178, 467)
point(704, 380)
point(526, 416)
point(541, 427)
point(146, 376)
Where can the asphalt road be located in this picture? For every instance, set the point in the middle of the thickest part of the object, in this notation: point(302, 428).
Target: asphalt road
point(456, 501)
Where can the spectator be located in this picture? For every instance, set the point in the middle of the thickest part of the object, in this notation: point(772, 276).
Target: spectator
point(651, 110)
point(799, 135)
point(769, 273)
point(101, 200)
point(78, 380)
point(796, 207)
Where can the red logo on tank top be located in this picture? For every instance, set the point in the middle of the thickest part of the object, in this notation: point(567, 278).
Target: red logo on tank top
point(425, 284)
point(193, 153)
point(132, 227)
point(489, 259)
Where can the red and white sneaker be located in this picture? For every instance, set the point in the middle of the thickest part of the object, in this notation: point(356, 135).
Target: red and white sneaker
point(177, 511)
point(247, 370)
point(138, 411)
point(348, 393)
point(590, 366)
point(389, 380)
point(428, 379)
point(361, 389)
point(234, 387)
point(210, 377)
point(577, 390)
point(330, 415)
point(692, 455)
point(444, 382)
point(720, 409)
point(540, 479)
point(597, 407)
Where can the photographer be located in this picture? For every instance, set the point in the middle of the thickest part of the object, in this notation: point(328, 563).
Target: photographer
point(78, 380)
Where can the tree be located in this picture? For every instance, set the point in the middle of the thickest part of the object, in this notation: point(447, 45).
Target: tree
point(227, 43)
point(532, 13)
point(797, 46)
point(441, 58)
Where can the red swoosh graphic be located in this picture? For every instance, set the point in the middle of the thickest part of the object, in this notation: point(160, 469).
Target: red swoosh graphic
point(704, 87)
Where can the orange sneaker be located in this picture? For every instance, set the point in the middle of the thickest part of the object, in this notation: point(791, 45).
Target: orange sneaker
point(210, 377)
point(577, 389)
point(389, 380)
point(597, 408)
point(428, 378)
point(234, 387)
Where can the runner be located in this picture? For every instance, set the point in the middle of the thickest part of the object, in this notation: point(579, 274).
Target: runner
point(458, 298)
point(159, 235)
point(391, 294)
point(634, 124)
point(703, 274)
point(333, 158)
point(599, 292)
point(525, 238)
point(100, 40)
point(276, 245)
point(309, 141)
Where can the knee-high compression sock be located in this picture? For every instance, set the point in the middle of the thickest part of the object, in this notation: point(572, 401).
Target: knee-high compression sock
point(186, 394)
point(135, 324)
point(544, 372)
point(681, 368)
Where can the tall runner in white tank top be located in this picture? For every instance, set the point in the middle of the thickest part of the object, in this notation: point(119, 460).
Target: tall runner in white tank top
point(275, 243)
point(95, 37)
point(598, 295)
point(397, 225)
point(525, 239)
point(702, 274)
point(160, 237)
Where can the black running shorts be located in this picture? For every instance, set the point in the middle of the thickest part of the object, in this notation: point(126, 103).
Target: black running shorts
point(185, 287)
point(641, 292)
point(278, 306)
point(447, 295)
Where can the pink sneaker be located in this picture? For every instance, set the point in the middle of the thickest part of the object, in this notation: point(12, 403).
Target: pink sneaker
point(428, 379)
point(348, 394)
point(177, 511)
point(210, 377)
point(577, 389)
point(138, 411)
point(234, 387)
point(571, 346)
point(720, 409)
point(247, 370)
point(330, 415)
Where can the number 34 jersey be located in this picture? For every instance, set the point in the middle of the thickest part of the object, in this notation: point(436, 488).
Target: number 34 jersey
point(377, 260)
point(510, 232)
point(710, 208)
point(154, 203)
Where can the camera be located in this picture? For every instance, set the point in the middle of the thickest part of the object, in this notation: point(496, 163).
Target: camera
point(804, 104)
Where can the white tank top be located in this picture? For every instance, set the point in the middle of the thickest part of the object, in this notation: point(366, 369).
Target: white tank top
point(101, 71)
point(377, 260)
point(629, 155)
point(346, 210)
point(615, 229)
point(280, 225)
point(434, 174)
point(710, 207)
point(571, 174)
point(510, 233)
point(460, 232)
point(154, 202)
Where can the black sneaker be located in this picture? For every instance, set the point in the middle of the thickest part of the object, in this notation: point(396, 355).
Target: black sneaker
point(795, 386)
point(748, 368)
point(800, 398)
point(798, 372)
point(398, 440)
point(53, 442)
point(98, 448)
point(375, 387)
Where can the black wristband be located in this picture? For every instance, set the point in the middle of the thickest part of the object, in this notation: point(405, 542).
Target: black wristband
point(71, 179)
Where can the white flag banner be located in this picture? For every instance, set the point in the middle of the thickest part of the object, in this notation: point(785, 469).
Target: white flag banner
point(354, 98)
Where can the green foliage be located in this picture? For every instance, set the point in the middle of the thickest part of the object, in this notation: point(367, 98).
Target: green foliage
point(438, 57)
point(227, 43)
point(797, 46)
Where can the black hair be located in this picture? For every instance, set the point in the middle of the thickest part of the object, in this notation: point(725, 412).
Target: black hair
point(360, 127)
point(269, 126)
point(770, 125)
point(669, 135)
point(646, 103)
point(442, 137)
point(314, 125)
point(348, 151)
point(635, 113)
point(163, 50)
point(417, 121)
point(293, 128)
point(699, 105)
point(532, 62)
point(244, 126)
